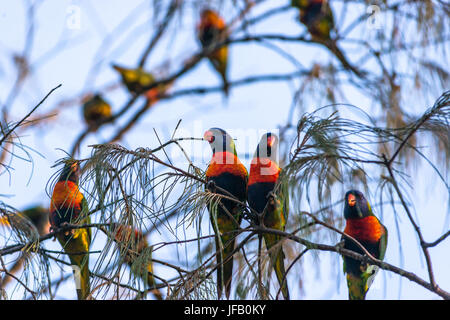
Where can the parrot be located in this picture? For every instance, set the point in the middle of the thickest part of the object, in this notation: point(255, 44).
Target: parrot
point(270, 200)
point(38, 216)
point(137, 79)
point(134, 242)
point(225, 171)
point(318, 18)
point(362, 225)
point(69, 206)
point(96, 111)
point(212, 30)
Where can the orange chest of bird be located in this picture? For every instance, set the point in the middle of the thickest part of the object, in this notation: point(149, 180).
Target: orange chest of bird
point(263, 170)
point(66, 195)
point(365, 229)
point(211, 19)
point(133, 238)
point(222, 162)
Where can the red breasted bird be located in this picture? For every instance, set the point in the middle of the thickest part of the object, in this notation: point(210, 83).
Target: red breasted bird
point(225, 172)
point(68, 206)
point(38, 217)
point(136, 80)
point(133, 242)
point(270, 200)
point(211, 30)
point(362, 225)
point(318, 18)
point(95, 111)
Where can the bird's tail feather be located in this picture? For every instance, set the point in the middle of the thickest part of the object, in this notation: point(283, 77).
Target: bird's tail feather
point(224, 269)
point(356, 287)
point(80, 262)
point(278, 263)
point(85, 288)
point(151, 284)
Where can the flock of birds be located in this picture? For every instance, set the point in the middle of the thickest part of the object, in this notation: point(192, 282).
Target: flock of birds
point(213, 33)
point(267, 197)
point(268, 203)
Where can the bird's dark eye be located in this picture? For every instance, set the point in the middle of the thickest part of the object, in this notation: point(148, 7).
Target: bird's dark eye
point(211, 139)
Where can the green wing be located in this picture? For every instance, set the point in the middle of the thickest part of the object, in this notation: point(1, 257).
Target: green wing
point(301, 4)
point(284, 194)
point(135, 79)
point(86, 218)
point(277, 219)
point(145, 78)
point(383, 243)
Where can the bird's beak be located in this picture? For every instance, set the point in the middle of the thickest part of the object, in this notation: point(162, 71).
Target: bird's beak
point(270, 141)
point(76, 169)
point(117, 68)
point(351, 200)
point(75, 166)
point(208, 136)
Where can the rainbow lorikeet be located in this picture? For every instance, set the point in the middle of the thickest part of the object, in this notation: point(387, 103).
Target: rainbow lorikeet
point(68, 206)
point(225, 172)
point(96, 111)
point(38, 216)
point(136, 80)
point(270, 200)
point(211, 30)
point(133, 242)
point(362, 225)
point(318, 18)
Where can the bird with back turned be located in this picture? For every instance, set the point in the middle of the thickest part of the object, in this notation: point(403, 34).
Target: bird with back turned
point(211, 31)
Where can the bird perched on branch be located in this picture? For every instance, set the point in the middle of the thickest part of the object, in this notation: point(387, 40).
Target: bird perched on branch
point(227, 176)
point(134, 244)
point(211, 30)
point(68, 206)
point(36, 217)
point(96, 111)
point(136, 80)
point(362, 225)
point(270, 200)
point(318, 18)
